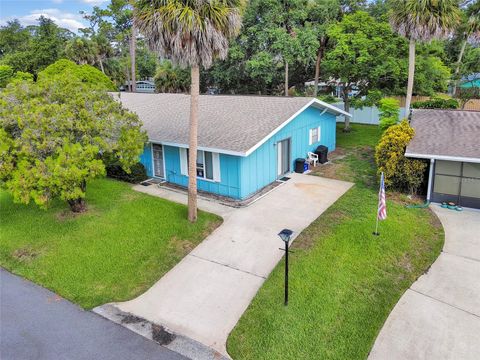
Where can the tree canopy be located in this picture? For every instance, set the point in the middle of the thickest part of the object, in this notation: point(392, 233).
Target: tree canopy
point(273, 34)
point(55, 135)
point(84, 73)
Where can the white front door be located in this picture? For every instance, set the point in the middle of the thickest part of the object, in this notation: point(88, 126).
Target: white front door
point(158, 170)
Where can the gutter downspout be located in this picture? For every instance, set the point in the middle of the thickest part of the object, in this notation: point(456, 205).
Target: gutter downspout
point(430, 179)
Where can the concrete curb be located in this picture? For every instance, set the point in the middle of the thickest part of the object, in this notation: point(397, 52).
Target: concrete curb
point(181, 344)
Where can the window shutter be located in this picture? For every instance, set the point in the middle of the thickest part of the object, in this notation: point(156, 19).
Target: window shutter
point(310, 137)
point(216, 167)
point(183, 161)
point(318, 134)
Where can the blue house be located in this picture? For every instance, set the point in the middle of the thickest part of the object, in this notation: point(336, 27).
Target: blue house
point(244, 142)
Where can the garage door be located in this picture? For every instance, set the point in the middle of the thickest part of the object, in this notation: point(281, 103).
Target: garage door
point(458, 182)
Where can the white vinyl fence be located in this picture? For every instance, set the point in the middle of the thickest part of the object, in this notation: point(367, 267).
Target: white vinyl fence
point(366, 115)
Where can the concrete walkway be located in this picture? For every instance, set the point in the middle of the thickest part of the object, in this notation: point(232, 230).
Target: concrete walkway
point(439, 316)
point(204, 296)
point(38, 324)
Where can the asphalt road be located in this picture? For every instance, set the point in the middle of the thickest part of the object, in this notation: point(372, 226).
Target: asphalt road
point(37, 324)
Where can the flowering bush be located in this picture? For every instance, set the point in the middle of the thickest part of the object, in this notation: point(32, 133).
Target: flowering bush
point(401, 173)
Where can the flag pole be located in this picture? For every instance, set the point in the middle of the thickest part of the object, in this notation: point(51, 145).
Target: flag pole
point(376, 233)
point(381, 209)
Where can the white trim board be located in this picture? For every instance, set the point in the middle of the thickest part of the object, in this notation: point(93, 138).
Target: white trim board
point(185, 146)
point(443, 157)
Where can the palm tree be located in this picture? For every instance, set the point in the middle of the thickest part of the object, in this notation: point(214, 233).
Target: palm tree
point(422, 20)
point(133, 52)
point(191, 33)
point(469, 30)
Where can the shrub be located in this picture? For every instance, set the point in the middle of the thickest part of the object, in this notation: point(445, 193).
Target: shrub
point(436, 103)
point(6, 74)
point(389, 112)
point(85, 73)
point(171, 79)
point(137, 174)
point(23, 76)
point(330, 99)
point(401, 173)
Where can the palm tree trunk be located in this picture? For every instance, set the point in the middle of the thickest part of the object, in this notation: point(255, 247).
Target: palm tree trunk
point(411, 73)
point(129, 84)
point(457, 68)
point(286, 78)
point(100, 61)
point(133, 45)
point(192, 157)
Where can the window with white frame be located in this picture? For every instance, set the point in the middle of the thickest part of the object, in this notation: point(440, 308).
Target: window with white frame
point(207, 165)
point(314, 135)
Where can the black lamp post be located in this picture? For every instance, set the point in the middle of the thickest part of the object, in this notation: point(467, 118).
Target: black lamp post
point(285, 235)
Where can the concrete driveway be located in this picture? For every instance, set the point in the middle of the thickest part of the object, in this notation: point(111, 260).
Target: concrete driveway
point(205, 295)
point(439, 316)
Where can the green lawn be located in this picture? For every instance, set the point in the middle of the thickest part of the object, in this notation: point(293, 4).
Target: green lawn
point(343, 281)
point(123, 244)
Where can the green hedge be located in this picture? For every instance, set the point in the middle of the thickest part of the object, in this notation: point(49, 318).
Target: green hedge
point(137, 174)
point(436, 103)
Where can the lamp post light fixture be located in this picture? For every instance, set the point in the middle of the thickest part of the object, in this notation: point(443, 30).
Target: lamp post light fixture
point(285, 235)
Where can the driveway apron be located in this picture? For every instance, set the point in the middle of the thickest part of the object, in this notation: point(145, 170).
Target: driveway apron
point(204, 296)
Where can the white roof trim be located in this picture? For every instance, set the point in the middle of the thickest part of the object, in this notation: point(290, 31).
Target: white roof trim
point(220, 151)
point(261, 142)
point(331, 107)
point(443, 157)
point(311, 102)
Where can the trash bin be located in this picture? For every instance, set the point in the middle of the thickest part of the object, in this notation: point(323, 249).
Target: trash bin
point(322, 152)
point(305, 166)
point(300, 165)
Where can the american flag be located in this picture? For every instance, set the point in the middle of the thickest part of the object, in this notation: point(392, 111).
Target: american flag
point(382, 204)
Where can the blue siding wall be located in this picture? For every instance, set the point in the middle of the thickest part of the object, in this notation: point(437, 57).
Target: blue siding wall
point(229, 184)
point(260, 168)
point(146, 159)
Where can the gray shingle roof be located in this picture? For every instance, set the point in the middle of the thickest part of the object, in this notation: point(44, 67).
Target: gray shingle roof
point(232, 124)
point(445, 133)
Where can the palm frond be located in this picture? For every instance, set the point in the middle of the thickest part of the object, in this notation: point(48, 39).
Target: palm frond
point(424, 20)
point(189, 32)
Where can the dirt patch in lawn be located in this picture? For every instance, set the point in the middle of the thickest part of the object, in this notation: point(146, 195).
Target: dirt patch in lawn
point(181, 246)
point(330, 170)
point(25, 254)
point(67, 214)
point(318, 229)
point(435, 221)
point(130, 196)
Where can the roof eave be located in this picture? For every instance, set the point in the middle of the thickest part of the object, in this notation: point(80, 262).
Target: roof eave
point(330, 107)
point(442, 157)
point(204, 148)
